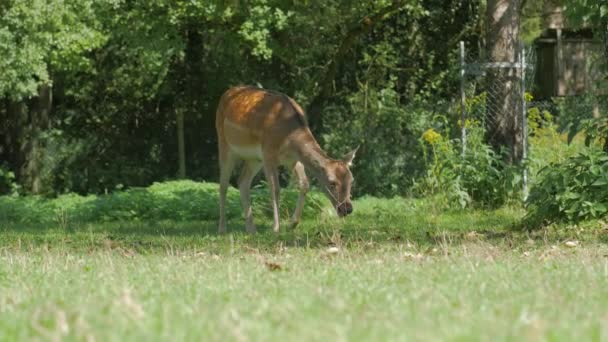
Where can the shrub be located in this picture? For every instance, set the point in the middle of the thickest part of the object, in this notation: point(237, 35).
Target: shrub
point(389, 158)
point(8, 185)
point(573, 190)
point(479, 176)
point(174, 200)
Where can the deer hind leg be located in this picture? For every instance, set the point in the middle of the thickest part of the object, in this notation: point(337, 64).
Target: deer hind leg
point(303, 185)
point(272, 176)
point(227, 161)
point(250, 169)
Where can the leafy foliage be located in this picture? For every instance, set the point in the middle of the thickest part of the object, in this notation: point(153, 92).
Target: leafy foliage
point(390, 156)
point(590, 12)
point(571, 191)
point(176, 200)
point(478, 177)
point(39, 37)
point(7, 182)
point(119, 72)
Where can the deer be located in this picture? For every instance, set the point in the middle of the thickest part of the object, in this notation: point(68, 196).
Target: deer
point(266, 129)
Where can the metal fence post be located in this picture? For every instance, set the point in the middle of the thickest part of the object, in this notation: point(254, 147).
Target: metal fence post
point(524, 117)
point(463, 110)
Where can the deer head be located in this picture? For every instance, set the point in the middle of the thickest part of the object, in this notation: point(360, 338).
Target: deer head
point(336, 182)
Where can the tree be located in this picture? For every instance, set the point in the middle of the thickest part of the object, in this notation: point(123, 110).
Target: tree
point(126, 93)
point(361, 27)
point(592, 13)
point(37, 39)
point(504, 127)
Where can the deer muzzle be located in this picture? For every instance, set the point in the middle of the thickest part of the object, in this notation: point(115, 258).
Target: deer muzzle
point(344, 209)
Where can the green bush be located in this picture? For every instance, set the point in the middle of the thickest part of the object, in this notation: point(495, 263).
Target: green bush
point(389, 158)
point(477, 177)
point(572, 191)
point(174, 200)
point(8, 185)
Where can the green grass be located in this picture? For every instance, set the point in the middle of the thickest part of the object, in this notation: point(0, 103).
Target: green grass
point(400, 270)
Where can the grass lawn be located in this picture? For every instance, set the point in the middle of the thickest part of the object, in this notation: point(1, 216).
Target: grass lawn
point(394, 270)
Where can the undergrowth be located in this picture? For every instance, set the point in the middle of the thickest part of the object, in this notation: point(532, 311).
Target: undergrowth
point(174, 200)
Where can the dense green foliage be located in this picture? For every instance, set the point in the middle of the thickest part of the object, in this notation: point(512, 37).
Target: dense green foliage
point(574, 190)
point(478, 176)
point(118, 73)
point(90, 93)
point(176, 200)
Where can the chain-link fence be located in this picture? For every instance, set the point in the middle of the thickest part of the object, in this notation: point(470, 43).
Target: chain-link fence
point(494, 96)
point(497, 97)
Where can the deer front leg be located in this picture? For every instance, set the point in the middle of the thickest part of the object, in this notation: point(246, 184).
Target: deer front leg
point(272, 175)
point(226, 166)
point(303, 185)
point(250, 169)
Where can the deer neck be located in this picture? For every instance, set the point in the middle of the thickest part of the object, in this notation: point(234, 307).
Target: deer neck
point(310, 153)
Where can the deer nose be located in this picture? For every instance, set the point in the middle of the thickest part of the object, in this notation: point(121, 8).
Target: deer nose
point(345, 209)
point(349, 209)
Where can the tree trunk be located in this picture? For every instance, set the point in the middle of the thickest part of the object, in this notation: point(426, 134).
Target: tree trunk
point(181, 149)
point(605, 25)
point(23, 145)
point(504, 119)
point(32, 145)
point(188, 105)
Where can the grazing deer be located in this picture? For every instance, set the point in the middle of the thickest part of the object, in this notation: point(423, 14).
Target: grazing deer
point(266, 129)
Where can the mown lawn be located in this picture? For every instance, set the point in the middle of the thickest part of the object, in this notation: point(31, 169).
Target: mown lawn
point(395, 270)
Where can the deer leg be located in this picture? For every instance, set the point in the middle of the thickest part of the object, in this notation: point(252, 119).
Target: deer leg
point(272, 175)
point(227, 161)
point(250, 169)
point(303, 184)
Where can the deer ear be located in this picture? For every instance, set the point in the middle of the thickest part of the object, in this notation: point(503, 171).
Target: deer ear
point(348, 158)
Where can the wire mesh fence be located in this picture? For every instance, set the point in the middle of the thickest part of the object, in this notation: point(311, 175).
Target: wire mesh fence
point(497, 96)
point(494, 97)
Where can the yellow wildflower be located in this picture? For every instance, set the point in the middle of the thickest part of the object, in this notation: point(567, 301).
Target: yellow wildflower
point(468, 123)
point(431, 136)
